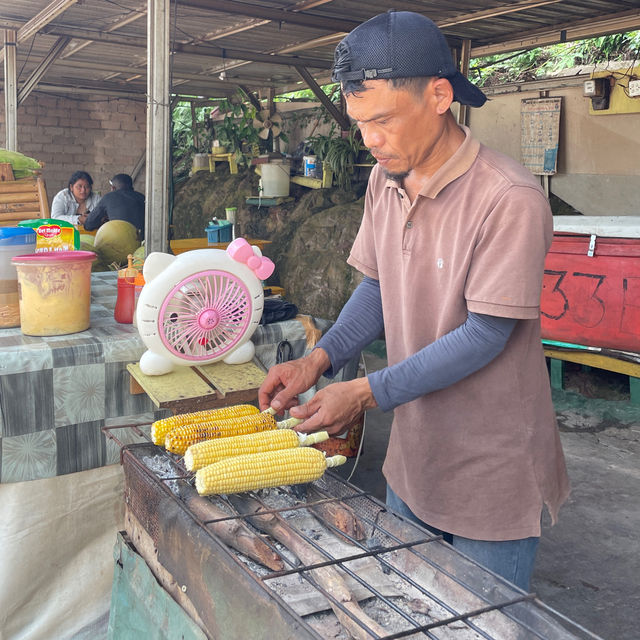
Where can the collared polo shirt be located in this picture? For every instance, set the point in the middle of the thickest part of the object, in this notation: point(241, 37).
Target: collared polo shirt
point(481, 457)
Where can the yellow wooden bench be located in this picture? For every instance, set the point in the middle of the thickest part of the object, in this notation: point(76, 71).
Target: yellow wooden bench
point(223, 157)
point(558, 357)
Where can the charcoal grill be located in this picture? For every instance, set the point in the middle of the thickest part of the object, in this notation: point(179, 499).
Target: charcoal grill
point(407, 580)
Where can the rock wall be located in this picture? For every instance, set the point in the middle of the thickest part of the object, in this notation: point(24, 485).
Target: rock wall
point(310, 236)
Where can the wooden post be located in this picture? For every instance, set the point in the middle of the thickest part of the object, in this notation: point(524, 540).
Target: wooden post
point(10, 91)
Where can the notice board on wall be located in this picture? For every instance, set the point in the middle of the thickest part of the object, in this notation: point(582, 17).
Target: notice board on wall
point(539, 134)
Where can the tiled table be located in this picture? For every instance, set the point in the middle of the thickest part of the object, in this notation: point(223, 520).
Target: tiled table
point(56, 393)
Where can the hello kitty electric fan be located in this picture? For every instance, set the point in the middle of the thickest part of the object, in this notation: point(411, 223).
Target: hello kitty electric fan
point(201, 306)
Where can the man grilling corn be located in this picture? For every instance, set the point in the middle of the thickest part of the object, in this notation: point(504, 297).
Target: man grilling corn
point(452, 247)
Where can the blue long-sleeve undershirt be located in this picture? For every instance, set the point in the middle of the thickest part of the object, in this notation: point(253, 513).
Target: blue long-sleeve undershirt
point(445, 361)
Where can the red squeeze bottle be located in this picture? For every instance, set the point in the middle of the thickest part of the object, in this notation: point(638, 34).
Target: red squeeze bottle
point(125, 302)
point(126, 299)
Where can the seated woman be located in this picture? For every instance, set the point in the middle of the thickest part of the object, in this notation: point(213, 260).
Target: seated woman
point(74, 203)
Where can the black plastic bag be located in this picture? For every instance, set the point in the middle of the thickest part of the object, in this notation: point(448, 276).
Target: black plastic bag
point(277, 310)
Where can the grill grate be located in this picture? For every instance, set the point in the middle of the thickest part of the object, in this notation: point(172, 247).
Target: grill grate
point(463, 600)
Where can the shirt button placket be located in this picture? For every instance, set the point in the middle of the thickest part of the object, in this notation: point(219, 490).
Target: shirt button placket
point(405, 240)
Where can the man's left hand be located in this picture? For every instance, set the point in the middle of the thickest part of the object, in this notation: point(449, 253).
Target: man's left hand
point(335, 407)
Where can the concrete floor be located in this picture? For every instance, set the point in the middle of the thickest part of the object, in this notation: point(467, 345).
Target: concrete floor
point(588, 564)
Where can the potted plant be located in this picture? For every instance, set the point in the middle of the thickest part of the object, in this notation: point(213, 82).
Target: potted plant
point(339, 154)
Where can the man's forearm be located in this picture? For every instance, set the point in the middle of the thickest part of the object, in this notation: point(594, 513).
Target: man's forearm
point(359, 323)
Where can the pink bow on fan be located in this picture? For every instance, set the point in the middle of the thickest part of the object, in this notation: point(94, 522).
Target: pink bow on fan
point(241, 251)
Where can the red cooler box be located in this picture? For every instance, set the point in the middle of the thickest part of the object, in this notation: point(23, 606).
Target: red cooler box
point(591, 291)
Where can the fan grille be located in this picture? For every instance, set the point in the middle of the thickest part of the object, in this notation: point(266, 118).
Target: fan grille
point(205, 315)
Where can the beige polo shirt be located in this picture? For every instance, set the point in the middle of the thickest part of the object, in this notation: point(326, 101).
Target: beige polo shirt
point(479, 458)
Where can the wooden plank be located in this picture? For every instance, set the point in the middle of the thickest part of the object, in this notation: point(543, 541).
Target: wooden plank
point(6, 172)
point(21, 213)
point(19, 186)
point(42, 196)
point(173, 388)
point(26, 196)
point(227, 378)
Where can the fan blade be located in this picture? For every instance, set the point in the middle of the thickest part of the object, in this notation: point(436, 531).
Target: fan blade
point(263, 133)
point(276, 118)
point(275, 130)
point(257, 124)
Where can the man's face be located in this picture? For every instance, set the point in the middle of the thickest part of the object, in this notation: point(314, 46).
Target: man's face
point(398, 127)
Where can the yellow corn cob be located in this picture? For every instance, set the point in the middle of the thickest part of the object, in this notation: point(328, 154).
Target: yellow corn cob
point(178, 440)
point(264, 470)
point(160, 428)
point(203, 453)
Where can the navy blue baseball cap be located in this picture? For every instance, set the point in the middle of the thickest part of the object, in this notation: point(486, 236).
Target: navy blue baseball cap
point(401, 44)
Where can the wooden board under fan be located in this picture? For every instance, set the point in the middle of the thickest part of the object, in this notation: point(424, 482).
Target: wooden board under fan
point(202, 387)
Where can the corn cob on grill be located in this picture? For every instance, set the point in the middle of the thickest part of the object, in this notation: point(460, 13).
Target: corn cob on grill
point(203, 453)
point(178, 440)
point(160, 428)
point(264, 470)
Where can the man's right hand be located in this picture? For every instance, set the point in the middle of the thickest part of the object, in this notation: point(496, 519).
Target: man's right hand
point(285, 381)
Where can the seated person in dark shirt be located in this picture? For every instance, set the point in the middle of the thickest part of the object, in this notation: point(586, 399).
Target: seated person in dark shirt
point(122, 203)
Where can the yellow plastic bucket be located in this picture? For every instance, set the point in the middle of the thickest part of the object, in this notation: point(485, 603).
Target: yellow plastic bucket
point(55, 292)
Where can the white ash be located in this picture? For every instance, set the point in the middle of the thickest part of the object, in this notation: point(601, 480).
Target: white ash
point(309, 603)
point(163, 467)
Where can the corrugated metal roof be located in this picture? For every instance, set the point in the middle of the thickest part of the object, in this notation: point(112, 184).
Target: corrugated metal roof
point(106, 52)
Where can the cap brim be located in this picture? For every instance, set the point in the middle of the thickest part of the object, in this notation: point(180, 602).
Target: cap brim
point(466, 93)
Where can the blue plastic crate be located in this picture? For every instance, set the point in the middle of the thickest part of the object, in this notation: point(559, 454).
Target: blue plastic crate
point(220, 232)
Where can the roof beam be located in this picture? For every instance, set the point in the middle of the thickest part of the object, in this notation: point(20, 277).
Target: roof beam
point(142, 71)
point(31, 82)
point(252, 56)
point(192, 49)
point(42, 19)
point(568, 32)
point(269, 13)
point(493, 13)
point(338, 116)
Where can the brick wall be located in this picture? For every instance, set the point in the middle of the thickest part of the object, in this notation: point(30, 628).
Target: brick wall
point(102, 136)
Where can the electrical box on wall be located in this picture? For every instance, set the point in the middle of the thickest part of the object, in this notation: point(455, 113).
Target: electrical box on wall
point(624, 90)
point(598, 89)
point(634, 88)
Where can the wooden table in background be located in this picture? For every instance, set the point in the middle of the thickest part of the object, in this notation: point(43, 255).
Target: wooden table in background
point(188, 244)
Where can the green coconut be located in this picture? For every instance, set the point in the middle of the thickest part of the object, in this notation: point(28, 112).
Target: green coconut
point(114, 241)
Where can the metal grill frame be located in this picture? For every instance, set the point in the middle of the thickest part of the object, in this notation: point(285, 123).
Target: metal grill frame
point(213, 577)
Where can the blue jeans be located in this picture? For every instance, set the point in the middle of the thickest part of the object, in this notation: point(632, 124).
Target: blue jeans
point(511, 559)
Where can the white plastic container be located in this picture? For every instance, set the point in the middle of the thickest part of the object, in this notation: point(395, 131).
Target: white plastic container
point(309, 164)
point(275, 179)
point(14, 241)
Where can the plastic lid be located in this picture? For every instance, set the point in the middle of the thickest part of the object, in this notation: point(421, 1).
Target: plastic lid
point(17, 236)
point(51, 257)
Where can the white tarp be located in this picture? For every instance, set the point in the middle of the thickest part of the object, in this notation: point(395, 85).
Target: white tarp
point(56, 553)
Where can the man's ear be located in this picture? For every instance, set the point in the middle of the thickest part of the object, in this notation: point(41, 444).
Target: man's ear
point(443, 92)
